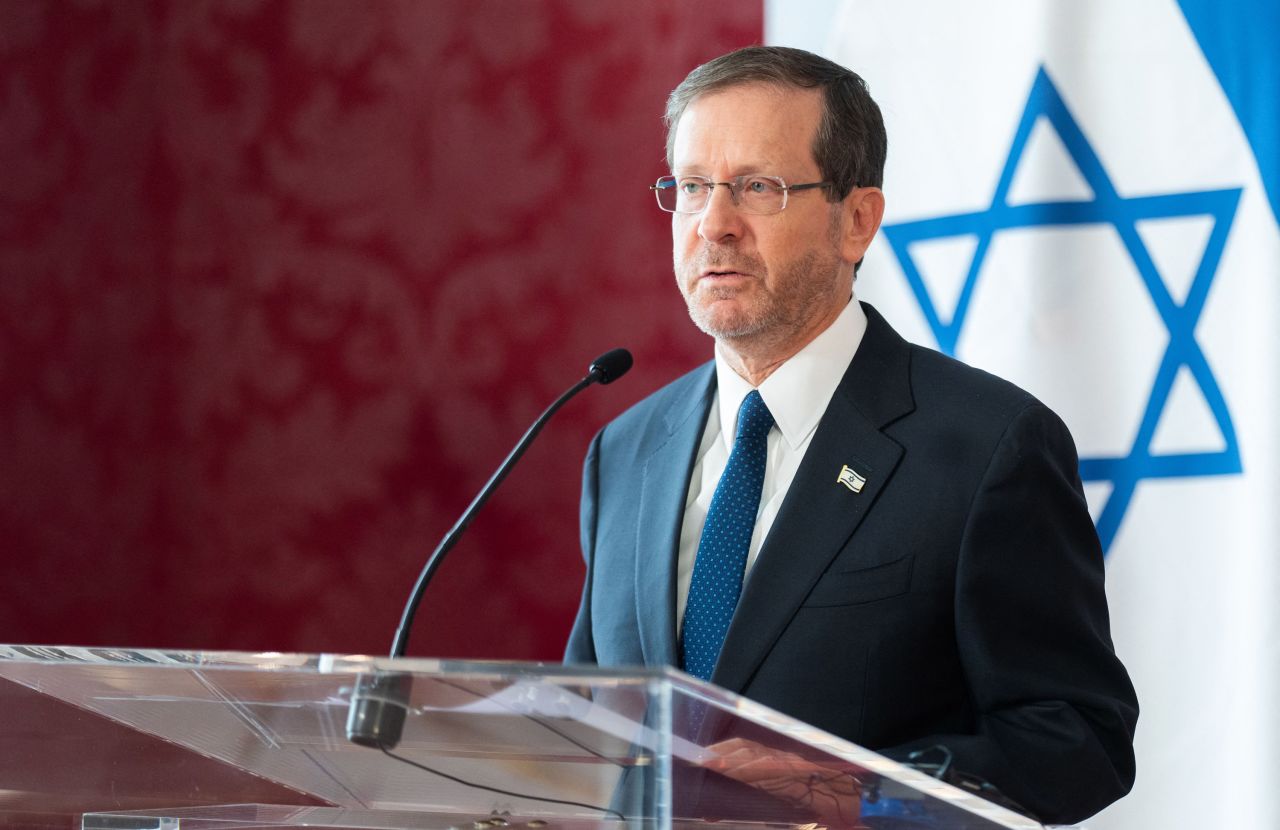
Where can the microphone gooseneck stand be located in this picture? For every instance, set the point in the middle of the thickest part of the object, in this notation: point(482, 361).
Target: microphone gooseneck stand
point(380, 700)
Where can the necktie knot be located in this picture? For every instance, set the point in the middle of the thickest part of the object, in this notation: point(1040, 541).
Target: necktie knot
point(754, 418)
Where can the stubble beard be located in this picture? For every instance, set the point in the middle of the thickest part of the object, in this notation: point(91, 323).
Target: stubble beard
point(775, 315)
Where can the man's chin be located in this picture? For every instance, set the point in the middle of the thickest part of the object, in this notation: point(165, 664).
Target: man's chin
point(724, 323)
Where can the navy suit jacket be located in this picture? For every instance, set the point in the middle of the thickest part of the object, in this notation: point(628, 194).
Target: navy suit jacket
point(957, 599)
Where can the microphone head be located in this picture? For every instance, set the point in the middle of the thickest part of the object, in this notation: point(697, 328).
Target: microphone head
point(611, 365)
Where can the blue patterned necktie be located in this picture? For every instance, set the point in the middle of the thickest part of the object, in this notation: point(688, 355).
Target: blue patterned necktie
point(722, 549)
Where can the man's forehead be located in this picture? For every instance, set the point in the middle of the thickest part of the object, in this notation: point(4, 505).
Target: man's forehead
point(752, 125)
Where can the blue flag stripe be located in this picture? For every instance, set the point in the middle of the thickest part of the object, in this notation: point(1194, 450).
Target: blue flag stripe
point(1238, 40)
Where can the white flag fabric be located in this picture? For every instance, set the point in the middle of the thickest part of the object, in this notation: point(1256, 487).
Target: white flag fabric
point(1083, 198)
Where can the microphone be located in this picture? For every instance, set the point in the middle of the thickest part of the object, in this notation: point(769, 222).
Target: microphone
point(610, 366)
point(380, 702)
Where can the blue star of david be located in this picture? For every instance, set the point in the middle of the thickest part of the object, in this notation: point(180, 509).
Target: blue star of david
point(1107, 207)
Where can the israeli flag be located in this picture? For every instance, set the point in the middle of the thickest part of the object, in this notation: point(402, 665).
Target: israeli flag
point(1083, 198)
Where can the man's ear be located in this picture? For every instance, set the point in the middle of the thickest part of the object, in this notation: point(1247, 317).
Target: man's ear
point(863, 209)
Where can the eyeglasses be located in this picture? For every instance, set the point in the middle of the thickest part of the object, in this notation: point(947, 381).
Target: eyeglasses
point(750, 194)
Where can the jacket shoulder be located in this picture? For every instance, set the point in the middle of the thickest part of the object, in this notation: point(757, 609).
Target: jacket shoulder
point(943, 381)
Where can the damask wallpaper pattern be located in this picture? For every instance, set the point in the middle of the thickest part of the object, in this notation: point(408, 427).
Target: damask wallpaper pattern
point(281, 282)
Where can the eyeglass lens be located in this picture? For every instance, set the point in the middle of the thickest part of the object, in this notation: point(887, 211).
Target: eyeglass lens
point(752, 194)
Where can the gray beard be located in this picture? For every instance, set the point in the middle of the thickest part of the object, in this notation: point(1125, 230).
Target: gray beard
point(780, 316)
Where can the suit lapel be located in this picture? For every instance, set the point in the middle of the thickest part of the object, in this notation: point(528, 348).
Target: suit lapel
point(663, 489)
point(819, 514)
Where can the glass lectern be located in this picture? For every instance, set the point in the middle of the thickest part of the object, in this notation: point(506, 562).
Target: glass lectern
point(118, 739)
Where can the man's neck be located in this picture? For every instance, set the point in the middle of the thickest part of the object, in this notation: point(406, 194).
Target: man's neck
point(751, 367)
point(754, 358)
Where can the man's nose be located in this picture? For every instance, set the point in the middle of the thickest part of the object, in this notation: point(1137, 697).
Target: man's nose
point(721, 218)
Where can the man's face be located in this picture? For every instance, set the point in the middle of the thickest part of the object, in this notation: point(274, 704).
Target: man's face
point(770, 282)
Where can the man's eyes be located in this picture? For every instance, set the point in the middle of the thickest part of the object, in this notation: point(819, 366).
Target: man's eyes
point(759, 185)
point(754, 185)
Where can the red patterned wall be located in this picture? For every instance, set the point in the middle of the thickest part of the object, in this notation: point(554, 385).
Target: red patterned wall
point(282, 282)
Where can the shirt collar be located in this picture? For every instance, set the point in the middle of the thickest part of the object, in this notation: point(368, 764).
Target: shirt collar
point(798, 391)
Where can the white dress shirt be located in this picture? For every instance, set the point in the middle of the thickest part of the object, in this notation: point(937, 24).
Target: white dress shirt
point(797, 393)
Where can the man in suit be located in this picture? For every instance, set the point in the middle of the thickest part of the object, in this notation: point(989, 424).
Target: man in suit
point(903, 555)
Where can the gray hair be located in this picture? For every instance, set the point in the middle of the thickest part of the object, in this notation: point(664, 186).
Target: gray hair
point(850, 145)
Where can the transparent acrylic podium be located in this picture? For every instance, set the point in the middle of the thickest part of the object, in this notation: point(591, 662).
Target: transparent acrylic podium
point(133, 739)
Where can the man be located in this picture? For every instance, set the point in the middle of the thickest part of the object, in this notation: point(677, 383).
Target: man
point(920, 566)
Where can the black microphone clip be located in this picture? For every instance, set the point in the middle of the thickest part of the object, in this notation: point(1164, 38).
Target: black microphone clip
point(379, 705)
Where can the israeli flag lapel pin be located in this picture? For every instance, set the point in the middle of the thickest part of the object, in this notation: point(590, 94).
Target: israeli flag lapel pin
point(851, 479)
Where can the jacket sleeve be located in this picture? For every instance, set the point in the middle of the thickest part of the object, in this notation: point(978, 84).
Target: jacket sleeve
point(1055, 708)
point(581, 645)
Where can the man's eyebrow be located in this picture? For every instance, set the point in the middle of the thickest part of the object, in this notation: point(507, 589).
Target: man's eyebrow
point(741, 170)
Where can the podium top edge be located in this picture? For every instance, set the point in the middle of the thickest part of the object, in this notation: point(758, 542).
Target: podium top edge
point(325, 663)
